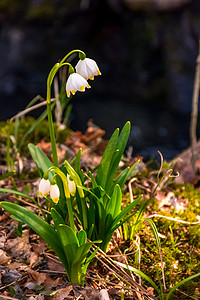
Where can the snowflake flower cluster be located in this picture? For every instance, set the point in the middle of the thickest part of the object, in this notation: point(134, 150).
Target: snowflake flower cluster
point(85, 69)
point(45, 187)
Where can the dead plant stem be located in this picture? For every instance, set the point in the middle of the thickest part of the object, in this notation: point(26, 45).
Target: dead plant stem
point(194, 113)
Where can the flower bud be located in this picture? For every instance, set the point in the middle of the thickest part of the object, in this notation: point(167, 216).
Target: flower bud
point(71, 185)
point(54, 193)
point(44, 187)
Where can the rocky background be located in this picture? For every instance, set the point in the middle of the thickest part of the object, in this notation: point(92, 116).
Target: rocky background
point(146, 50)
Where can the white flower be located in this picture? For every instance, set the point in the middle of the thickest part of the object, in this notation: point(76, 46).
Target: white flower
point(75, 83)
point(44, 187)
point(71, 185)
point(87, 68)
point(54, 193)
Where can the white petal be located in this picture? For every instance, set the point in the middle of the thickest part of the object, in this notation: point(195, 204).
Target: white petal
point(44, 187)
point(87, 68)
point(75, 83)
point(54, 193)
point(71, 185)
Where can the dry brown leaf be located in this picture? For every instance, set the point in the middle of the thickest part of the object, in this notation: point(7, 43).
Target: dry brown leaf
point(63, 294)
point(36, 277)
point(54, 264)
point(44, 146)
point(2, 239)
point(18, 266)
point(33, 258)
point(4, 217)
point(4, 258)
point(50, 283)
point(19, 245)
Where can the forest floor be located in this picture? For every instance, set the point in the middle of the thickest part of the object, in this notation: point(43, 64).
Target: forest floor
point(29, 270)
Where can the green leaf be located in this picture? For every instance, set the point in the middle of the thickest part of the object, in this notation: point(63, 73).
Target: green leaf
point(77, 163)
point(125, 174)
point(181, 283)
point(113, 207)
point(94, 183)
point(127, 209)
point(81, 253)
point(138, 217)
point(40, 226)
point(8, 174)
point(117, 200)
point(155, 231)
point(34, 125)
point(57, 219)
point(103, 168)
point(78, 268)
point(109, 233)
point(69, 242)
point(42, 162)
point(19, 194)
point(120, 147)
point(82, 237)
point(140, 273)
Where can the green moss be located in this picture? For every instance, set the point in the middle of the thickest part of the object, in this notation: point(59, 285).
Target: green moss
point(180, 242)
point(40, 132)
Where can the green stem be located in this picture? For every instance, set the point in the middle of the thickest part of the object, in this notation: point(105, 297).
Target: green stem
point(84, 212)
point(70, 212)
point(72, 52)
point(52, 135)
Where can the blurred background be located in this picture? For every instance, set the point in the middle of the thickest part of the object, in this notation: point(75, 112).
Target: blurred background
point(146, 51)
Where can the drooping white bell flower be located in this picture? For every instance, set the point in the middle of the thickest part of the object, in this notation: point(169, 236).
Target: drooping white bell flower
point(54, 193)
point(71, 185)
point(75, 83)
point(44, 187)
point(87, 68)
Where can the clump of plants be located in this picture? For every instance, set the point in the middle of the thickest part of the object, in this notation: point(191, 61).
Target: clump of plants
point(82, 210)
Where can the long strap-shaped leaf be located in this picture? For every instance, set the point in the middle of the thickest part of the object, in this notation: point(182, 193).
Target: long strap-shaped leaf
point(42, 162)
point(70, 243)
point(120, 147)
point(40, 226)
point(104, 165)
point(19, 194)
point(111, 157)
point(181, 283)
point(140, 273)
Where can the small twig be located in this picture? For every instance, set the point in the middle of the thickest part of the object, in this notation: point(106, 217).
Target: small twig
point(28, 203)
point(12, 283)
point(130, 188)
point(24, 112)
point(121, 274)
point(162, 267)
point(172, 219)
point(53, 272)
point(194, 113)
point(6, 297)
point(161, 165)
